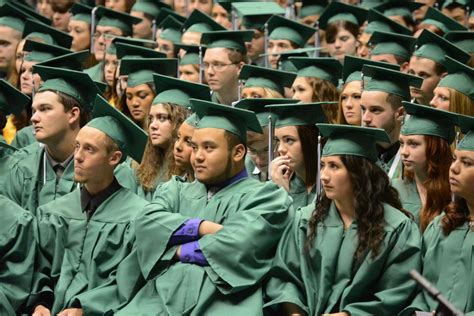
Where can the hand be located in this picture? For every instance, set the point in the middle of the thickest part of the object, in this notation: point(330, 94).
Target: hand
point(72, 312)
point(208, 228)
point(281, 172)
point(40, 310)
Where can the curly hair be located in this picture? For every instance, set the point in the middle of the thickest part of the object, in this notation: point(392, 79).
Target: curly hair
point(372, 189)
point(455, 215)
point(438, 193)
point(324, 90)
point(156, 158)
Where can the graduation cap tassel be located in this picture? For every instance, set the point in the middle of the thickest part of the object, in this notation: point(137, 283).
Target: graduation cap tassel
point(200, 65)
point(316, 40)
point(290, 10)
point(318, 168)
point(239, 87)
point(270, 146)
point(265, 33)
point(93, 22)
point(153, 30)
point(233, 15)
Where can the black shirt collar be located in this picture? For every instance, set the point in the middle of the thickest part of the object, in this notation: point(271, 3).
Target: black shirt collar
point(386, 154)
point(90, 203)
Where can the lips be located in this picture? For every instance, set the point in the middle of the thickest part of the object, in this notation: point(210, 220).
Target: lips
point(453, 181)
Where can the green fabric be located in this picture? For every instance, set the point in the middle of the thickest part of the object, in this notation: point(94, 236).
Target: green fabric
point(338, 11)
point(176, 91)
point(409, 197)
point(326, 68)
point(12, 100)
point(327, 280)
point(425, 120)
point(72, 61)
point(262, 77)
point(128, 136)
point(299, 193)
point(9, 155)
point(84, 261)
point(460, 77)
point(379, 22)
point(12, 17)
point(18, 246)
point(81, 12)
point(227, 39)
point(39, 52)
point(398, 8)
point(390, 81)
point(280, 28)
point(259, 107)
point(462, 39)
point(234, 120)
point(201, 22)
point(352, 69)
point(435, 47)
point(253, 215)
point(96, 72)
point(442, 21)
point(392, 43)
point(151, 7)
point(191, 56)
point(49, 34)
point(135, 51)
point(24, 137)
point(141, 70)
point(308, 10)
point(467, 127)
point(123, 21)
point(447, 263)
point(29, 187)
point(171, 29)
point(189, 59)
point(298, 114)
point(352, 140)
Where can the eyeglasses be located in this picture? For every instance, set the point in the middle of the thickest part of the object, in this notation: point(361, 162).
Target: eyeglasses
point(105, 35)
point(216, 66)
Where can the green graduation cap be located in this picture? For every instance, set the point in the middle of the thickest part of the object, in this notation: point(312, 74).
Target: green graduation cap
point(285, 64)
point(151, 7)
point(170, 29)
point(191, 57)
point(312, 7)
point(426, 120)
point(47, 33)
point(200, 22)
point(227, 39)
point(192, 120)
point(277, 80)
point(39, 52)
point(298, 114)
point(467, 127)
point(392, 43)
point(460, 78)
point(234, 120)
point(141, 70)
point(352, 70)
point(12, 100)
point(81, 12)
point(326, 68)
point(133, 51)
point(111, 49)
point(256, 13)
point(166, 12)
point(135, 41)
point(75, 84)
point(370, 4)
point(462, 39)
point(379, 22)
point(280, 28)
point(12, 17)
point(72, 61)
point(434, 47)
point(442, 21)
point(259, 107)
point(390, 81)
point(454, 3)
point(120, 20)
point(176, 91)
point(128, 136)
point(352, 140)
point(338, 11)
point(21, 5)
point(399, 8)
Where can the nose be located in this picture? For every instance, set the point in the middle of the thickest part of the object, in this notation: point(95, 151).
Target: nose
point(178, 146)
point(349, 104)
point(433, 101)
point(324, 176)
point(78, 157)
point(281, 149)
point(404, 151)
point(454, 168)
point(366, 117)
point(35, 117)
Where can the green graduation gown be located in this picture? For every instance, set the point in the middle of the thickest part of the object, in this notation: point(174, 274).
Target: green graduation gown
point(83, 260)
point(17, 253)
point(409, 197)
point(447, 263)
point(96, 72)
point(299, 193)
point(8, 157)
point(327, 280)
point(253, 215)
point(24, 137)
point(29, 188)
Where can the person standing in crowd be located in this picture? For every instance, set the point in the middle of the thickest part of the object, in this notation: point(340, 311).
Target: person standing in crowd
point(355, 237)
point(425, 140)
point(381, 103)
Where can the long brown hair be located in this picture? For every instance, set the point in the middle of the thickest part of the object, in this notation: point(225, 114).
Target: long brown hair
point(372, 189)
point(156, 158)
point(438, 193)
point(455, 215)
point(324, 90)
point(308, 135)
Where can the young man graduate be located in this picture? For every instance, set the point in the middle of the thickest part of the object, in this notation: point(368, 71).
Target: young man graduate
point(84, 235)
point(205, 247)
point(60, 109)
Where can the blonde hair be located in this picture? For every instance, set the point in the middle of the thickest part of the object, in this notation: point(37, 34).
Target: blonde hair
point(460, 103)
point(272, 94)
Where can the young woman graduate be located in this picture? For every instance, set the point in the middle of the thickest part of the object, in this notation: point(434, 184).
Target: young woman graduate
point(425, 140)
point(448, 242)
point(297, 141)
point(261, 82)
point(351, 253)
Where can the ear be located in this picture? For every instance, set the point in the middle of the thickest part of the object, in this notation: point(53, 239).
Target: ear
point(444, 74)
point(405, 67)
point(238, 153)
point(400, 114)
point(74, 115)
point(240, 65)
point(115, 157)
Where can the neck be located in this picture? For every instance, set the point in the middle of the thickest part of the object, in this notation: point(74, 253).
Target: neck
point(229, 94)
point(94, 187)
point(346, 210)
point(62, 149)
